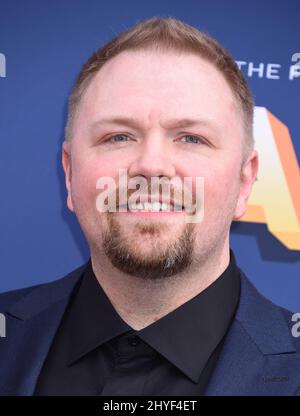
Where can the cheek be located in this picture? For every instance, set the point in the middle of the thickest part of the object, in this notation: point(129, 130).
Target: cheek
point(221, 184)
point(86, 173)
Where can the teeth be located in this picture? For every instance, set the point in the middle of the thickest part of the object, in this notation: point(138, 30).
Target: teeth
point(148, 206)
point(178, 208)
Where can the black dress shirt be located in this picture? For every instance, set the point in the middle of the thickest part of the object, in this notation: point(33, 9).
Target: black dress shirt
point(95, 352)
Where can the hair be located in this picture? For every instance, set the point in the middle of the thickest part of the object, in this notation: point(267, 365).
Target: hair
point(168, 34)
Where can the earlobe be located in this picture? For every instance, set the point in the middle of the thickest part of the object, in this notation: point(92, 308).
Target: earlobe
point(66, 162)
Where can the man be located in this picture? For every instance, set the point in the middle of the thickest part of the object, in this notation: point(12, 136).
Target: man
point(160, 308)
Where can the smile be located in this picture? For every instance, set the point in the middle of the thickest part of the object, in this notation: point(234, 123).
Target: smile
point(154, 207)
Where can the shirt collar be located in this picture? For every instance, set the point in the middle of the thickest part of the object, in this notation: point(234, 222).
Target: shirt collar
point(186, 336)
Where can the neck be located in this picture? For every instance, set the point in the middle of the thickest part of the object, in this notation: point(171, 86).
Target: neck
point(140, 302)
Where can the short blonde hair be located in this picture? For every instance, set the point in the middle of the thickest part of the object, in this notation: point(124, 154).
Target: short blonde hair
point(168, 34)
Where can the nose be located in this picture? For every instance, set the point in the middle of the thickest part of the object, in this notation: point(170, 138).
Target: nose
point(153, 159)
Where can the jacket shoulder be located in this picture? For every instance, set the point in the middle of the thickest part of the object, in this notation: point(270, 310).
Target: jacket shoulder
point(269, 324)
point(10, 297)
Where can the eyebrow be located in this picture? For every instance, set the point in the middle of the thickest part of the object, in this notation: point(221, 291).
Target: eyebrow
point(171, 124)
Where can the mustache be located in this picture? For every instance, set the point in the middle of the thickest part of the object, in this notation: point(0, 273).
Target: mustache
point(175, 193)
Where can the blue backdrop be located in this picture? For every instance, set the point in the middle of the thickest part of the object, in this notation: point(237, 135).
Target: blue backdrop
point(43, 45)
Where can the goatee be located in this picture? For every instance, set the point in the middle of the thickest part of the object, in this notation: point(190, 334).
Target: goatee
point(164, 263)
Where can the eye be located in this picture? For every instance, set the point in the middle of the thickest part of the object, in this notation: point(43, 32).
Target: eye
point(193, 139)
point(118, 138)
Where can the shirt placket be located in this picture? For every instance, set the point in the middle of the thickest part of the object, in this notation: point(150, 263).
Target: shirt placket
point(134, 358)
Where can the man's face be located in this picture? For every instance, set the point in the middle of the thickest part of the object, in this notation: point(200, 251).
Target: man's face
point(155, 90)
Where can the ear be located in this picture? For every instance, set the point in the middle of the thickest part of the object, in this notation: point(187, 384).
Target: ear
point(248, 177)
point(66, 162)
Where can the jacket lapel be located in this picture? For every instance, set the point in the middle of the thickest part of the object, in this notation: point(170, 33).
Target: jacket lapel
point(31, 325)
point(259, 355)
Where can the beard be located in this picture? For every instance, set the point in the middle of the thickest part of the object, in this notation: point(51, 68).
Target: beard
point(161, 262)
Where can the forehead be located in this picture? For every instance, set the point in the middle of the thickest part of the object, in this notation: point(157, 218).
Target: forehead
point(152, 84)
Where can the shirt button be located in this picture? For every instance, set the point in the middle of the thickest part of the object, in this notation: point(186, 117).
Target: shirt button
point(133, 341)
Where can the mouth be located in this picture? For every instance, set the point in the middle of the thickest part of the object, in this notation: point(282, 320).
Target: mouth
point(154, 207)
